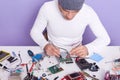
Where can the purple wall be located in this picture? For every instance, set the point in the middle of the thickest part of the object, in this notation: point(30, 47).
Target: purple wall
point(17, 18)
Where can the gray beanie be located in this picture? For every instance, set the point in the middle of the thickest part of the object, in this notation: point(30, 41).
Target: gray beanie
point(71, 4)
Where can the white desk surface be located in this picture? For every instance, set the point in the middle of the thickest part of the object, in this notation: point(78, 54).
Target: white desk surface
point(109, 53)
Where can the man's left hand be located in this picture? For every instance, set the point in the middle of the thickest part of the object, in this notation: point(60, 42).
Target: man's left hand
point(80, 51)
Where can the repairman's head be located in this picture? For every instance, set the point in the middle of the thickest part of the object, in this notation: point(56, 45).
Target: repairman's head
point(69, 8)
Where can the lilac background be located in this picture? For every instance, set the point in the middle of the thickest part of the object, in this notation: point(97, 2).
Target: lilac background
point(17, 18)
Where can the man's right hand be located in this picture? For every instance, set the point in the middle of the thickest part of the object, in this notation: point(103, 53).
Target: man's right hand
point(51, 50)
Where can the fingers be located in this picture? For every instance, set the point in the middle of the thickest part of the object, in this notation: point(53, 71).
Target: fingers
point(76, 50)
point(81, 54)
point(52, 50)
point(80, 51)
point(55, 51)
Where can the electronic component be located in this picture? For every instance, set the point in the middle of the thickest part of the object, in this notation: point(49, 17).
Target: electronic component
point(65, 57)
point(74, 76)
point(55, 69)
point(94, 67)
point(84, 64)
point(12, 59)
point(109, 76)
point(4, 55)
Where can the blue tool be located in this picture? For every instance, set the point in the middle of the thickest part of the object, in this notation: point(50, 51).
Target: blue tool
point(36, 57)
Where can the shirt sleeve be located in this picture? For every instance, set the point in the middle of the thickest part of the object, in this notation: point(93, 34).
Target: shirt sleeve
point(102, 37)
point(38, 28)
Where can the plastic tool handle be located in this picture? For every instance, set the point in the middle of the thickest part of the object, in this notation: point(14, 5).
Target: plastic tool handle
point(30, 53)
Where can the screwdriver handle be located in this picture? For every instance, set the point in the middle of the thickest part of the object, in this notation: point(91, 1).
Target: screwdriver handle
point(30, 53)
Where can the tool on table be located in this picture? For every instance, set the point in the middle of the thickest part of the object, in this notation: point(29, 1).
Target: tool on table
point(115, 60)
point(29, 76)
point(35, 57)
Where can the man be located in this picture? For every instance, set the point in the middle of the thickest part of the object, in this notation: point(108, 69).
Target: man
point(65, 21)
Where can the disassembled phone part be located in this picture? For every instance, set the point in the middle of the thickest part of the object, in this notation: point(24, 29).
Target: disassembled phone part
point(74, 76)
point(84, 64)
point(55, 69)
point(65, 57)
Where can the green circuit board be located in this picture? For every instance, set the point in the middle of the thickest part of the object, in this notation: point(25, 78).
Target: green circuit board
point(55, 69)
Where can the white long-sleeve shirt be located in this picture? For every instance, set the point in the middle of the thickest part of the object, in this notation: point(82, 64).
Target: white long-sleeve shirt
point(62, 32)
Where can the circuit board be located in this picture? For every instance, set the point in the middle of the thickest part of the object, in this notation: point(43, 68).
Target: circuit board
point(65, 57)
point(55, 69)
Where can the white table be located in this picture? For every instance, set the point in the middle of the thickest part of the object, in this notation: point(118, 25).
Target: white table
point(108, 53)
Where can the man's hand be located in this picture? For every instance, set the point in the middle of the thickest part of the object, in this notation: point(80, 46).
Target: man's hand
point(51, 50)
point(80, 51)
